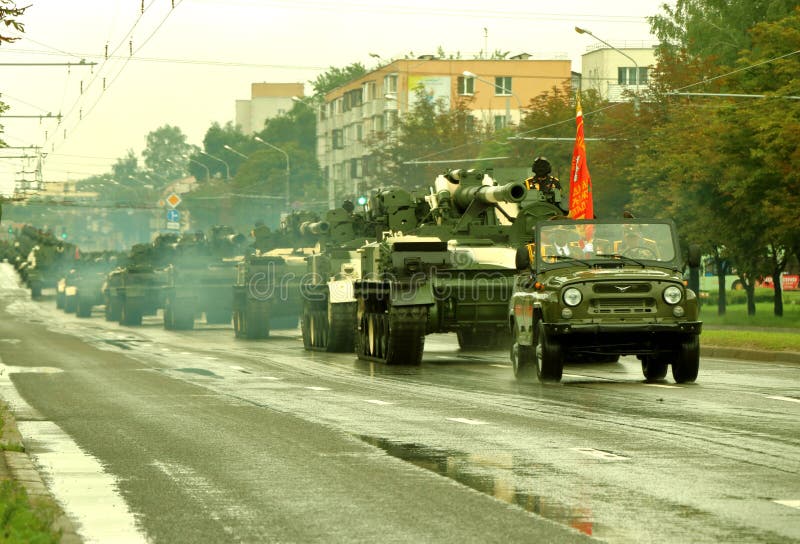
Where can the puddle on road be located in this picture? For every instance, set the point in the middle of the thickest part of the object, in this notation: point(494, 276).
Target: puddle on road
point(469, 470)
point(199, 372)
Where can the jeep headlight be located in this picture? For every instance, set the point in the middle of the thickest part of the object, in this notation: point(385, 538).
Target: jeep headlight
point(673, 294)
point(572, 296)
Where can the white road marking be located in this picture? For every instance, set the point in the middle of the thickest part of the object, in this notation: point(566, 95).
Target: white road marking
point(319, 388)
point(467, 421)
point(30, 370)
point(501, 366)
point(271, 378)
point(587, 377)
point(665, 386)
point(600, 454)
point(778, 397)
point(379, 402)
point(211, 358)
point(790, 504)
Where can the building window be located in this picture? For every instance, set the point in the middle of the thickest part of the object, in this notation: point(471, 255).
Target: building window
point(355, 168)
point(389, 119)
point(499, 122)
point(390, 84)
point(378, 124)
point(627, 75)
point(502, 86)
point(466, 85)
point(359, 132)
point(338, 138)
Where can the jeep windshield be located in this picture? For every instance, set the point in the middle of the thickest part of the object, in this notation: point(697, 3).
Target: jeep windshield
point(628, 241)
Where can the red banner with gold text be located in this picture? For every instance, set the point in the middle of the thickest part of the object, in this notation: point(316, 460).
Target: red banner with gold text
point(580, 183)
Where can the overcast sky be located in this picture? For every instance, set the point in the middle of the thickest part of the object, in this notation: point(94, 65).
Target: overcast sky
point(191, 63)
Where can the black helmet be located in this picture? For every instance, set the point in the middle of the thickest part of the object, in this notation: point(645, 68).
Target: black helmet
point(541, 166)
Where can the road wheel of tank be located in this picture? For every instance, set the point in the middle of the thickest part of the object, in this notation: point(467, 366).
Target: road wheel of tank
point(523, 360)
point(218, 316)
point(393, 338)
point(654, 367)
point(71, 304)
point(113, 310)
point(549, 357)
point(130, 314)
point(687, 363)
point(84, 307)
point(60, 299)
point(340, 319)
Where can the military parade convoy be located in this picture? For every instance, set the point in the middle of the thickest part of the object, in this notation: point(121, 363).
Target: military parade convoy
point(501, 266)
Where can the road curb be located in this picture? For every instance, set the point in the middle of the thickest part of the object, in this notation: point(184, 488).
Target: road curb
point(18, 466)
point(723, 352)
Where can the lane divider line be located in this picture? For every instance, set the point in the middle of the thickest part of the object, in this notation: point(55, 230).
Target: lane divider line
point(318, 388)
point(379, 402)
point(467, 421)
point(789, 503)
point(600, 454)
point(778, 397)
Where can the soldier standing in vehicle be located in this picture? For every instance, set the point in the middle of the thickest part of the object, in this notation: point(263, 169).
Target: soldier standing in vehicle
point(547, 184)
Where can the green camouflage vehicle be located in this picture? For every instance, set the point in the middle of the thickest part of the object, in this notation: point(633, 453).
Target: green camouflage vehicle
point(81, 289)
point(451, 270)
point(329, 306)
point(595, 290)
point(198, 280)
point(267, 293)
point(136, 288)
point(47, 259)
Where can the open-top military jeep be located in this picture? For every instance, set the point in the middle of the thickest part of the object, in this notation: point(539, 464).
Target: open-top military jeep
point(592, 290)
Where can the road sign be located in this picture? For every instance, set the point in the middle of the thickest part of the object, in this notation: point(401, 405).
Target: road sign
point(173, 226)
point(173, 216)
point(173, 200)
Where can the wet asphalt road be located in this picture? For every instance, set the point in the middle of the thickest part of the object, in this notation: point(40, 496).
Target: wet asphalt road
point(149, 435)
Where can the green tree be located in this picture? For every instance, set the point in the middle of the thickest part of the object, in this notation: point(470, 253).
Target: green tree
point(126, 169)
point(167, 152)
point(335, 77)
point(411, 153)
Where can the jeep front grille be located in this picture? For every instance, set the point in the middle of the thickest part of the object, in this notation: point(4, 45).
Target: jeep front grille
point(617, 288)
point(622, 306)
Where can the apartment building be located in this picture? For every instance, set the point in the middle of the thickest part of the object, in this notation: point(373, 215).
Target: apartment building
point(612, 71)
point(499, 91)
point(267, 100)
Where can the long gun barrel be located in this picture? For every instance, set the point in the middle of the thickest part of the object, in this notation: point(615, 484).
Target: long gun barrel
point(234, 239)
point(489, 194)
point(315, 227)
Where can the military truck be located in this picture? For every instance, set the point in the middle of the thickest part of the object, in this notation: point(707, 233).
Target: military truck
point(198, 280)
point(452, 272)
point(593, 290)
point(136, 288)
point(266, 292)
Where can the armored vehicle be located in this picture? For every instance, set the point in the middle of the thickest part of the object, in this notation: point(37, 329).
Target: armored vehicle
point(593, 290)
point(452, 272)
point(46, 260)
point(82, 287)
point(329, 306)
point(136, 288)
point(266, 293)
point(198, 280)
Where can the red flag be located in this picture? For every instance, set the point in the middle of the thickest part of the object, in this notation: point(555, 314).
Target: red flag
point(580, 183)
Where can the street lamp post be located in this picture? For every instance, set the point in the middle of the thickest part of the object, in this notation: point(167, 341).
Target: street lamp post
point(509, 94)
point(288, 167)
point(232, 150)
point(227, 167)
point(580, 30)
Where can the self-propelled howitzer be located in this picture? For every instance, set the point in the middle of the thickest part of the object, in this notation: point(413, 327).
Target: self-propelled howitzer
point(453, 272)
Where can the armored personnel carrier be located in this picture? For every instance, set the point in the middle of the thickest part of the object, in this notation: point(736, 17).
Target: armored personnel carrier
point(266, 292)
point(136, 288)
point(594, 289)
point(198, 280)
point(452, 272)
point(46, 260)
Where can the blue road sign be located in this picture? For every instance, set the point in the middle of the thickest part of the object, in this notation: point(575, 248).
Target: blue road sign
point(173, 216)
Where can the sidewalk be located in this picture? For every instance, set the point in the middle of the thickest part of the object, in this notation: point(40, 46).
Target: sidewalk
point(18, 466)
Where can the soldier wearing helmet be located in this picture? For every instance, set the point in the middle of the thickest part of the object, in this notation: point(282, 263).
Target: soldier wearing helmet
point(547, 184)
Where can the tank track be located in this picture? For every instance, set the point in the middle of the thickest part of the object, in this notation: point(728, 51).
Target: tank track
point(334, 328)
point(393, 338)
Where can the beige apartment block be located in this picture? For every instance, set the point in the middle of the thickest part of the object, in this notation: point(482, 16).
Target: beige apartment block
point(267, 100)
point(497, 92)
point(613, 71)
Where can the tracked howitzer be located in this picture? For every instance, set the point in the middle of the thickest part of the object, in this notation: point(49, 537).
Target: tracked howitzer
point(198, 280)
point(266, 292)
point(453, 272)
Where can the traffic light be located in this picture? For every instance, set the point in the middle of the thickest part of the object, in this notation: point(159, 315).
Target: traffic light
point(361, 200)
point(63, 233)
